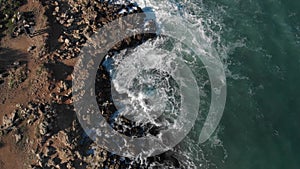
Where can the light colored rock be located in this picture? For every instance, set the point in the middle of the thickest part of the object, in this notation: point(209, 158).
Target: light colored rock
point(18, 137)
point(7, 121)
point(31, 48)
point(30, 121)
point(44, 127)
point(56, 9)
point(16, 63)
point(64, 138)
point(70, 20)
point(67, 41)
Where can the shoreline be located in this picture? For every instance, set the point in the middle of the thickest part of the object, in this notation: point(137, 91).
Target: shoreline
point(42, 128)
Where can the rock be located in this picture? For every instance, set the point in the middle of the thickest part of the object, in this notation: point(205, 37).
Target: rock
point(68, 93)
point(70, 20)
point(63, 137)
point(31, 48)
point(61, 85)
point(69, 165)
point(30, 106)
point(50, 150)
point(52, 95)
point(23, 113)
point(78, 155)
point(65, 86)
point(38, 157)
point(19, 106)
point(35, 167)
point(44, 127)
point(16, 63)
point(56, 9)
point(67, 41)
point(18, 137)
point(40, 164)
point(50, 163)
point(30, 121)
point(8, 120)
point(61, 40)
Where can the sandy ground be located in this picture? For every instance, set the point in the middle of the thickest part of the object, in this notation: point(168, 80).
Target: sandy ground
point(13, 156)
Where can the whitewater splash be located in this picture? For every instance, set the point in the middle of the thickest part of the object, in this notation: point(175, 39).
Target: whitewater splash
point(143, 87)
point(135, 90)
point(172, 15)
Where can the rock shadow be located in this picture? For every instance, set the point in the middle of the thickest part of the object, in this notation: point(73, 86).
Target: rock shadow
point(59, 71)
point(54, 29)
point(9, 59)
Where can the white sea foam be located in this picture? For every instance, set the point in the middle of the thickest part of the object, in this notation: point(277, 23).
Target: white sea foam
point(139, 79)
point(189, 153)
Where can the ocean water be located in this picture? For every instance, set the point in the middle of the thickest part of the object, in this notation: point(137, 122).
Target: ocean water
point(259, 45)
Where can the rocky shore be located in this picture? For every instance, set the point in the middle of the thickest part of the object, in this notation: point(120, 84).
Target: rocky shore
point(44, 127)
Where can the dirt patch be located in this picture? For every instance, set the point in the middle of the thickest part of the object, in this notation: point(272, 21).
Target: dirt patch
point(22, 67)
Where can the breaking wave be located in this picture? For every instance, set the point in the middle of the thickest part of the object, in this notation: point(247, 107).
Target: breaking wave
point(143, 78)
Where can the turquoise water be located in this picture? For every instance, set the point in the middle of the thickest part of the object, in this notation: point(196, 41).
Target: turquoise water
point(260, 126)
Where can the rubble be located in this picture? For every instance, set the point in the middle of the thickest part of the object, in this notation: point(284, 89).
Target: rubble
point(25, 23)
point(9, 121)
point(81, 20)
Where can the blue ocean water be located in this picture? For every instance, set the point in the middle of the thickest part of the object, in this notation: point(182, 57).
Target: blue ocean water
point(260, 126)
point(259, 44)
point(261, 119)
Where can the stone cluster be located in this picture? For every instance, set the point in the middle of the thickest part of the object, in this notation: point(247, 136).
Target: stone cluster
point(80, 20)
point(25, 23)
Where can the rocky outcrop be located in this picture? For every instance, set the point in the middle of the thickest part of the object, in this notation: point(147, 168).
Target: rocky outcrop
point(60, 141)
point(81, 19)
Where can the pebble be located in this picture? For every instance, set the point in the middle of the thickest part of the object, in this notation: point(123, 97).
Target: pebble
point(31, 48)
point(18, 137)
point(56, 9)
point(16, 63)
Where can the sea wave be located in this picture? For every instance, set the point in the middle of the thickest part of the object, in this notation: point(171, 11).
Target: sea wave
point(208, 28)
